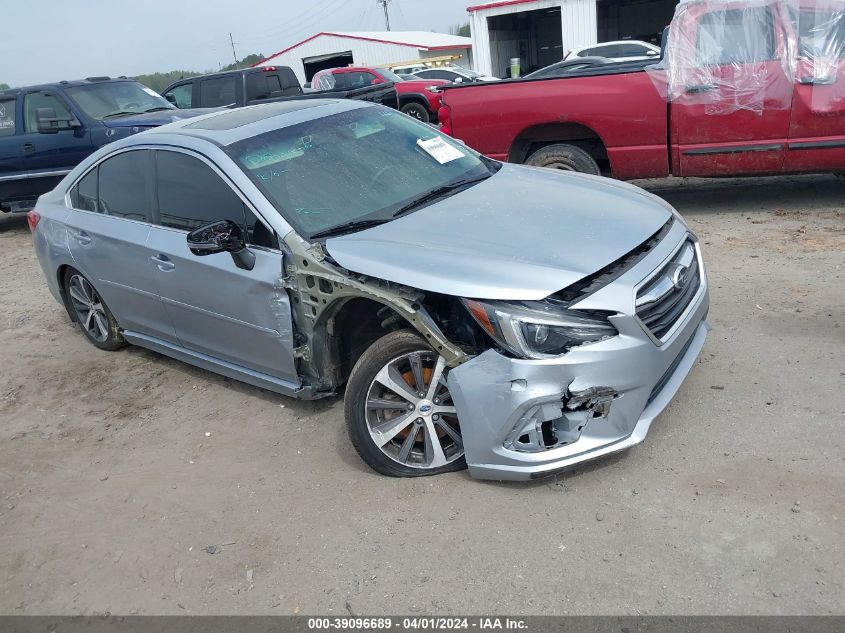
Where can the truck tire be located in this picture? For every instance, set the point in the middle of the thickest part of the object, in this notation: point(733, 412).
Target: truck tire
point(417, 111)
point(408, 417)
point(564, 157)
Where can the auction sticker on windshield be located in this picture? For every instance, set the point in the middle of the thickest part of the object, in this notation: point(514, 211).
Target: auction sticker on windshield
point(440, 150)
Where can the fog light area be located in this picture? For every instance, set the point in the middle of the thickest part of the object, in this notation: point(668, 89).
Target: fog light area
point(554, 424)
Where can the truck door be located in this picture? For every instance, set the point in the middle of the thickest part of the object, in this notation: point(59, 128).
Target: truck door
point(51, 155)
point(10, 150)
point(817, 127)
point(731, 104)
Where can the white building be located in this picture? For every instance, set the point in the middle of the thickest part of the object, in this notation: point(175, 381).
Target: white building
point(376, 48)
point(540, 32)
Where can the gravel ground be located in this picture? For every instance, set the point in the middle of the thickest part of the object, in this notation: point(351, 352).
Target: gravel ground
point(131, 483)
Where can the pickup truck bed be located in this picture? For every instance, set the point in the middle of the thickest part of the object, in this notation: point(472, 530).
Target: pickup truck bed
point(263, 84)
point(509, 120)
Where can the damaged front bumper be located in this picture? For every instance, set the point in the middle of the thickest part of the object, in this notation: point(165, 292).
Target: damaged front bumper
point(525, 419)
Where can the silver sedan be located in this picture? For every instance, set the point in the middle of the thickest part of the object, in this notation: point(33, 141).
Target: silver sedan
point(512, 319)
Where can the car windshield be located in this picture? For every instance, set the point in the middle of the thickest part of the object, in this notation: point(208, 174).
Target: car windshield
point(389, 75)
point(352, 168)
point(113, 98)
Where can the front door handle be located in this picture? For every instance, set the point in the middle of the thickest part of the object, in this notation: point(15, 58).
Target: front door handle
point(28, 148)
point(163, 262)
point(82, 237)
point(811, 80)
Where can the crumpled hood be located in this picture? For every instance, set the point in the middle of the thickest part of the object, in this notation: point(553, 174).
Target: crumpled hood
point(155, 119)
point(524, 233)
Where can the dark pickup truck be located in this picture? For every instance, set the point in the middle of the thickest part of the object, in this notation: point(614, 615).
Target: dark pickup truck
point(263, 84)
point(46, 130)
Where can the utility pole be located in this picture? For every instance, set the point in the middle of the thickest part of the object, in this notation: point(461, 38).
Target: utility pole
point(384, 4)
point(233, 48)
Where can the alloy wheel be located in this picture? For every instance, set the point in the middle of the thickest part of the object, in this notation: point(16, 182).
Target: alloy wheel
point(88, 307)
point(410, 414)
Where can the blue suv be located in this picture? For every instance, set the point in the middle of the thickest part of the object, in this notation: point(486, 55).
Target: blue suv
point(46, 130)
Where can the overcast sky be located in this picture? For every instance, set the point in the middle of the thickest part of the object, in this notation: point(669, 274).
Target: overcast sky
point(71, 39)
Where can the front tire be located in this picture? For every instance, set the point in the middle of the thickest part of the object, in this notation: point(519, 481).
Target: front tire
point(564, 157)
point(91, 313)
point(417, 111)
point(399, 413)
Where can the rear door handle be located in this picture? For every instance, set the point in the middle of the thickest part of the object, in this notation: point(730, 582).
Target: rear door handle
point(691, 90)
point(163, 262)
point(28, 148)
point(82, 237)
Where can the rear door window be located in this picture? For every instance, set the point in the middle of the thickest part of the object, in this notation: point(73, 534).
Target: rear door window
point(35, 100)
point(191, 194)
point(610, 50)
point(124, 185)
point(218, 91)
point(360, 79)
point(437, 74)
point(736, 36)
point(182, 95)
point(84, 194)
point(7, 117)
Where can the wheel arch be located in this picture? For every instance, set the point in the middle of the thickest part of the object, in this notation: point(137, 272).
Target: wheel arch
point(413, 97)
point(61, 272)
point(347, 328)
point(538, 136)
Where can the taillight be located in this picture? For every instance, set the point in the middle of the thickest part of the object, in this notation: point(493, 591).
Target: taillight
point(32, 219)
point(444, 116)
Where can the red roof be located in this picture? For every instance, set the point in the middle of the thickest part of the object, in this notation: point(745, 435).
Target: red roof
point(493, 5)
point(367, 39)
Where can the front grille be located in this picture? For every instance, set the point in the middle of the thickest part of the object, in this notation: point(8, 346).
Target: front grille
point(666, 296)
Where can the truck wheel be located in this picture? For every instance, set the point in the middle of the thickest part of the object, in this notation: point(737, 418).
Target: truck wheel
point(417, 111)
point(565, 157)
point(399, 413)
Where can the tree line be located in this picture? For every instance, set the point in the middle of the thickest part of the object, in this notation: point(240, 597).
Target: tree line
point(159, 81)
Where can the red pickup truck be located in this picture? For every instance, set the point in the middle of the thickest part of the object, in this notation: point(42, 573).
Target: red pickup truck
point(744, 88)
point(417, 98)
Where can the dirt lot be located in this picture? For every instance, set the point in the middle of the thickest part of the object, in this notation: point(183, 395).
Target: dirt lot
point(121, 473)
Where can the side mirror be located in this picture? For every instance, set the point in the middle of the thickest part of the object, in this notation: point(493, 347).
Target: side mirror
point(48, 123)
point(222, 237)
point(172, 99)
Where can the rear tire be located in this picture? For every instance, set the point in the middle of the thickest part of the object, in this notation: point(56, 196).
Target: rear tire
point(91, 313)
point(396, 431)
point(565, 157)
point(417, 111)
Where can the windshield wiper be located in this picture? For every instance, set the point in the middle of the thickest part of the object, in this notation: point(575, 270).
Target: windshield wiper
point(346, 227)
point(108, 116)
point(158, 109)
point(437, 193)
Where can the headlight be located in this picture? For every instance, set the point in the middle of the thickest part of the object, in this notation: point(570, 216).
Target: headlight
point(538, 329)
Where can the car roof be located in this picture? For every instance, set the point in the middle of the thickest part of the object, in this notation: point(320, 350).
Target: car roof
point(640, 42)
point(225, 127)
point(11, 92)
